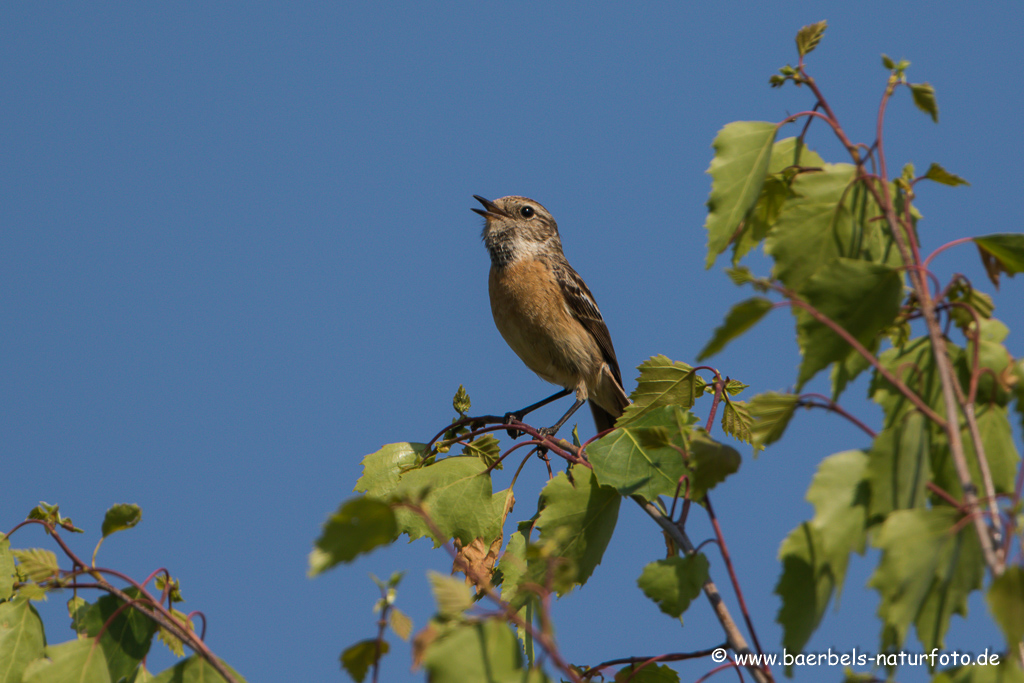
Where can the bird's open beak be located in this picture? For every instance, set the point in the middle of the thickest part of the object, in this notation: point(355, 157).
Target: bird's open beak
point(490, 210)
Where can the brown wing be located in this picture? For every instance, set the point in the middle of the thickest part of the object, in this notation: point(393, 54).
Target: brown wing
point(584, 308)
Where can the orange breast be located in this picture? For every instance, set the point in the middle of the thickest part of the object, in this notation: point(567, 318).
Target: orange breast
point(530, 313)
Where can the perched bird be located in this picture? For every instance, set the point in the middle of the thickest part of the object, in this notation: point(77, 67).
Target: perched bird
point(546, 313)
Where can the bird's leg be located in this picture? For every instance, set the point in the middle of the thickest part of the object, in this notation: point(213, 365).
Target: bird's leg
point(518, 415)
point(552, 430)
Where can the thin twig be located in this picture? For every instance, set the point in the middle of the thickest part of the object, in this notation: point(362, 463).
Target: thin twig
point(733, 636)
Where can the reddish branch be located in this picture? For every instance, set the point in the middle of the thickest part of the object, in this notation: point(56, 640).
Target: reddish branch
point(906, 241)
point(146, 605)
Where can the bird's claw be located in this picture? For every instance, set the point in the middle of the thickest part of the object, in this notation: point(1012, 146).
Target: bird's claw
point(509, 419)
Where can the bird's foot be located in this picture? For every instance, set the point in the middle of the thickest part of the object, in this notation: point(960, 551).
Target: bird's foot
point(509, 419)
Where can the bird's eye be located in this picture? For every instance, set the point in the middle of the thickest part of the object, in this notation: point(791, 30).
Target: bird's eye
point(526, 212)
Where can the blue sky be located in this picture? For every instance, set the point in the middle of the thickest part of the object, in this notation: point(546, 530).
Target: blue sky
point(236, 255)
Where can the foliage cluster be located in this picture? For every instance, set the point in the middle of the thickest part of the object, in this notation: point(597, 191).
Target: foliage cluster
point(937, 489)
point(113, 634)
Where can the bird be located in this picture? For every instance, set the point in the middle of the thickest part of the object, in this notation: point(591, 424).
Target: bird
point(546, 313)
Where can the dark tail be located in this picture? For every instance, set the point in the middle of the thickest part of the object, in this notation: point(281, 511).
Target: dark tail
point(604, 420)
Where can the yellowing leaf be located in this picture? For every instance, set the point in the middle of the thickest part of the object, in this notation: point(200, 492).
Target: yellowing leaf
point(400, 623)
point(38, 564)
point(808, 37)
point(452, 595)
point(924, 98)
point(941, 175)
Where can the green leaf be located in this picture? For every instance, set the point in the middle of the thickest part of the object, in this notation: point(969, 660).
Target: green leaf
point(846, 370)
point(740, 275)
point(577, 519)
point(736, 420)
point(816, 554)
point(77, 609)
point(924, 98)
point(941, 175)
point(461, 401)
point(913, 363)
point(809, 36)
point(1000, 449)
point(674, 582)
point(818, 224)
point(456, 493)
point(662, 382)
point(38, 564)
point(383, 469)
point(357, 659)
point(51, 514)
point(771, 413)
point(908, 173)
point(861, 297)
point(763, 216)
point(1001, 253)
point(734, 387)
point(6, 569)
point(194, 670)
point(486, 651)
point(75, 660)
point(639, 459)
point(993, 359)
point(789, 157)
point(21, 638)
point(710, 463)
point(452, 594)
point(172, 641)
point(805, 586)
point(127, 636)
point(1006, 671)
point(173, 590)
point(839, 493)
point(899, 466)
point(142, 675)
point(742, 152)
point(360, 525)
point(486, 448)
point(121, 516)
point(888, 63)
point(926, 573)
point(740, 318)
point(32, 591)
point(652, 673)
point(1006, 602)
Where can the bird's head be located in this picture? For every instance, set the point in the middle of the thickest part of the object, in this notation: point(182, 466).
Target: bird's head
point(517, 227)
